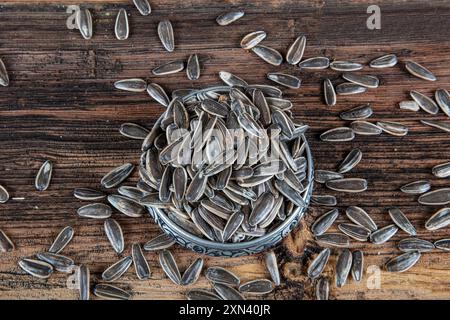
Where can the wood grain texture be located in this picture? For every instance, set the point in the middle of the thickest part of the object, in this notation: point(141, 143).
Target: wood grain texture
point(61, 105)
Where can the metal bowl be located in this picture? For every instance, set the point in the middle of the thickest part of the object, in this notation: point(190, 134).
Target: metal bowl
point(208, 247)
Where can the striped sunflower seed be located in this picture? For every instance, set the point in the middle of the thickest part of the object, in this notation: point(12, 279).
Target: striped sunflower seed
point(436, 198)
point(340, 134)
point(357, 265)
point(259, 286)
point(192, 273)
point(365, 128)
point(107, 291)
point(143, 7)
point(347, 185)
point(442, 170)
point(441, 125)
point(140, 263)
point(355, 231)
point(318, 264)
point(438, 220)
point(165, 33)
point(362, 80)
point(221, 275)
point(409, 105)
point(6, 245)
point(324, 200)
point(252, 39)
point(443, 244)
point(343, 267)
point(169, 68)
point(416, 187)
point(193, 67)
point(403, 262)
point(351, 160)
point(133, 193)
point(334, 239)
point(229, 17)
point(59, 262)
point(361, 217)
point(322, 176)
point(232, 225)
point(4, 195)
point(133, 131)
point(117, 269)
point(203, 295)
point(358, 113)
point(427, 104)
point(419, 71)
point(131, 85)
point(116, 176)
point(286, 80)
point(114, 234)
point(345, 66)
point(402, 221)
point(121, 29)
point(349, 88)
point(315, 63)
point(125, 205)
point(269, 55)
point(290, 193)
point(393, 128)
point(84, 276)
point(4, 78)
point(157, 92)
point(272, 267)
point(36, 268)
point(231, 79)
point(322, 289)
point(169, 266)
point(442, 97)
point(84, 22)
point(163, 241)
point(62, 240)
point(415, 244)
point(262, 208)
point(324, 222)
point(386, 61)
point(44, 176)
point(383, 235)
point(226, 292)
point(295, 52)
point(329, 93)
point(95, 211)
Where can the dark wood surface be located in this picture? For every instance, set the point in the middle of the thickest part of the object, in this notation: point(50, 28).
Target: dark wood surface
point(61, 105)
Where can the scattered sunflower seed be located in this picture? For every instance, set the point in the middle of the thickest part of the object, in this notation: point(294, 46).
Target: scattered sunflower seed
point(345, 66)
point(340, 134)
point(295, 52)
point(334, 239)
point(4, 78)
point(347, 185)
point(229, 17)
point(36, 268)
point(114, 234)
point(84, 276)
point(165, 33)
point(348, 88)
point(438, 220)
point(272, 267)
point(403, 262)
point(169, 266)
point(409, 105)
point(259, 286)
point(121, 28)
point(226, 292)
point(193, 67)
point(318, 264)
point(269, 55)
point(402, 221)
point(107, 291)
point(383, 235)
point(322, 289)
point(329, 92)
point(285, 80)
point(62, 240)
point(357, 113)
point(362, 80)
point(355, 231)
point(442, 97)
point(441, 125)
point(95, 211)
point(143, 7)
point(443, 244)
point(163, 241)
point(436, 197)
point(203, 295)
point(315, 63)
point(416, 187)
point(419, 71)
point(322, 176)
point(386, 61)
point(140, 263)
point(343, 267)
point(4, 195)
point(44, 176)
point(169, 68)
point(393, 128)
point(365, 128)
point(252, 39)
point(59, 262)
point(6, 245)
point(442, 170)
point(357, 265)
point(351, 160)
point(132, 85)
point(415, 244)
point(133, 131)
point(117, 269)
point(116, 176)
point(192, 273)
point(221, 275)
point(84, 23)
point(427, 104)
point(361, 217)
point(324, 222)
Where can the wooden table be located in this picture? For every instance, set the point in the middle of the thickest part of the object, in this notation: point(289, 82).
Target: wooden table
point(61, 105)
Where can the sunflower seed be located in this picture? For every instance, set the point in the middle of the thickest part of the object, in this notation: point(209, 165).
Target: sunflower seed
point(231, 79)
point(221, 275)
point(197, 187)
point(409, 105)
point(355, 231)
point(107, 291)
point(261, 209)
point(133, 131)
point(393, 128)
point(322, 176)
point(443, 244)
point(269, 55)
point(419, 71)
point(202, 225)
point(233, 223)
point(340, 134)
point(442, 97)
point(44, 176)
point(165, 33)
point(193, 67)
point(259, 286)
point(132, 85)
point(324, 200)
point(121, 28)
point(438, 220)
point(215, 108)
point(285, 80)
point(59, 262)
point(192, 273)
point(163, 241)
point(84, 23)
point(329, 93)
point(316, 63)
point(169, 266)
point(88, 194)
point(347, 185)
point(229, 17)
point(357, 265)
point(441, 125)
point(415, 244)
point(322, 289)
point(386, 61)
point(436, 197)
point(296, 49)
point(4, 195)
point(95, 211)
point(157, 92)
point(272, 267)
point(333, 239)
point(125, 205)
point(36, 268)
point(226, 292)
point(383, 235)
point(360, 217)
point(362, 80)
point(365, 128)
point(343, 267)
point(166, 182)
point(169, 68)
point(357, 113)
point(252, 39)
point(442, 170)
point(348, 88)
point(416, 187)
point(140, 263)
point(200, 294)
point(318, 264)
point(350, 161)
point(4, 78)
point(324, 222)
point(117, 175)
point(403, 262)
point(345, 66)
point(143, 7)
point(115, 235)
point(427, 104)
point(62, 240)
point(117, 269)
point(6, 244)
point(290, 193)
point(133, 193)
point(84, 282)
